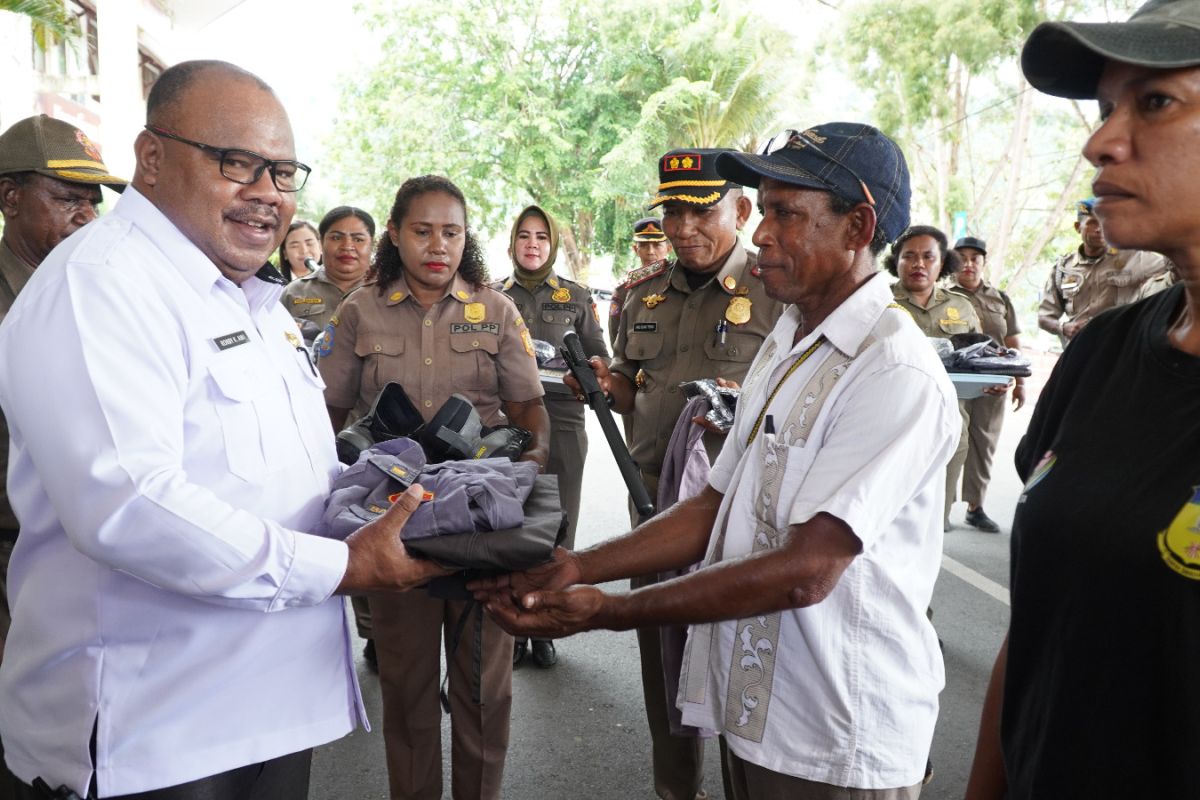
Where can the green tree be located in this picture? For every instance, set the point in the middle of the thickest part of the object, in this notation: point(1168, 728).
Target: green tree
point(51, 21)
point(525, 101)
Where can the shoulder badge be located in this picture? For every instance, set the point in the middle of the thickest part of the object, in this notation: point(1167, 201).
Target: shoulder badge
point(643, 274)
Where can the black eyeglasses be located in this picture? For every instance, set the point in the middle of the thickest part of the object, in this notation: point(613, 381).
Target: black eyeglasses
point(798, 140)
point(246, 167)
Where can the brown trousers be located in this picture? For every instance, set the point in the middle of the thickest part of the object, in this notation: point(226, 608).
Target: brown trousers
point(983, 432)
point(678, 760)
point(954, 468)
point(747, 781)
point(408, 630)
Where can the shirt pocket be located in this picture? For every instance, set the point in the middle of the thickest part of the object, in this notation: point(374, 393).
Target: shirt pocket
point(784, 465)
point(952, 326)
point(643, 345)
point(382, 356)
point(235, 388)
point(738, 348)
point(474, 365)
point(306, 310)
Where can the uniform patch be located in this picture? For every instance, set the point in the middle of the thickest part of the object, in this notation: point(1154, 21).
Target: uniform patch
point(323, 344)
point(527, 340)
point(1179, 544)
point(952, 313)
point(645, 327)
point(561, 295)
point(614, 308)
point(307, 301)
point(475, 312)
point(595, 312)
point(652, 300)
point(681, 162)
point(738, 310)
point(231, 340)
point(475, 327)
point(572, 307)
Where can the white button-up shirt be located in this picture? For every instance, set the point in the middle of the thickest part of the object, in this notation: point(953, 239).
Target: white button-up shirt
point(843, 692)
point(169, 447)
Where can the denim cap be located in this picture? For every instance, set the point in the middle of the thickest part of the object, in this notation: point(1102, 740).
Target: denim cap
point(854, 161)
point(1065, 59)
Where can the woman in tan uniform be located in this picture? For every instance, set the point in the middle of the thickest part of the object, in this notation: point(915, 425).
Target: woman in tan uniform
point(919, 258)
point(430, 322)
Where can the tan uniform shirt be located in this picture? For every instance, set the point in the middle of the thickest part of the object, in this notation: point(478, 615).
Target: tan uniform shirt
point(471, 342)
point(948, 312)
point(995, 311)
point(558, 305)
point(14, 274)
point(314, 298)
point(668, 334)
point(1080, 287)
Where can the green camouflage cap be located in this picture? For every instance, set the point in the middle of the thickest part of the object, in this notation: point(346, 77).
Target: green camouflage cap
point(56, 149)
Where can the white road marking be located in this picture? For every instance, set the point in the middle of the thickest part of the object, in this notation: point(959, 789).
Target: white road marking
point(980, 582)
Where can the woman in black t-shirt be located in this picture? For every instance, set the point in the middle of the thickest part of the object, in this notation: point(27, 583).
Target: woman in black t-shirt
point(1094, 693)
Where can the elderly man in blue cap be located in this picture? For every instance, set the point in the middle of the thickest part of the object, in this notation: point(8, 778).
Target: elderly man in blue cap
point(820, 531)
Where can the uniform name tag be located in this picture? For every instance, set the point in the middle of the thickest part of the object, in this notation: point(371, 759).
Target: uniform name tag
point(645, 327)
point(475, 327)
point(306, 301)
point(560, 307)
point(231, 340)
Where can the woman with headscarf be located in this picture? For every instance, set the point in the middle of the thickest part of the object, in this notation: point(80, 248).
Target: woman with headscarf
point(551, 306)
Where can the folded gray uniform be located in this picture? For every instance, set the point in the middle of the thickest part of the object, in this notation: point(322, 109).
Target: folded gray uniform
point(463, 500)
point(484, 495)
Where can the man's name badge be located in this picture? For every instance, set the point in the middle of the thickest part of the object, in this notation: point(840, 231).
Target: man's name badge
point(231, 340)
point(738, 310)
point(561, 295)
point(475, 312)
point(651, 300)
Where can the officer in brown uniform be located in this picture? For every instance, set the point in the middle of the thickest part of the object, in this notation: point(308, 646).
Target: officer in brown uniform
point(703, 314)
point(1093, 278)
point(552, 305)
point(50, 179)
point(985, 414)
point(651, 246)
point(919, 258)
point(431, 324)
point(346, 234)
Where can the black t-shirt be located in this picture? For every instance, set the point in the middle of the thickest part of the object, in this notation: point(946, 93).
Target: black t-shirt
point(1102, 691)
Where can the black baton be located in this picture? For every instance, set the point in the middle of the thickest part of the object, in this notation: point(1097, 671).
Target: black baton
point(572, 353)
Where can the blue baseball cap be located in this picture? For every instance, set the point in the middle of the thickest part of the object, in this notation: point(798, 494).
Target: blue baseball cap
point(853, 161)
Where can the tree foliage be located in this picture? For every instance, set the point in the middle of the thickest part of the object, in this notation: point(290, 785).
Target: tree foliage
point(51, 21)
point(533, 100)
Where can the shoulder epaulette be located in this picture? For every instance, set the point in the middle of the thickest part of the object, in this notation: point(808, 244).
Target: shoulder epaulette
point(643, 274)
point(956, 291)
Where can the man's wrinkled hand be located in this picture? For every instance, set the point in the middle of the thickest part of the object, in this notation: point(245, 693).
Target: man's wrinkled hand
point(378, 560)
point(549, 614)
point(558, 573)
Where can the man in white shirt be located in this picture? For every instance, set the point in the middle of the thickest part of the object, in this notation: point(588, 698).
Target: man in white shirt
point(175, 631)
point(820, 530)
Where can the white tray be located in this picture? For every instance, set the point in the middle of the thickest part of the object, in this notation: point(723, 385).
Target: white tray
point(970, 385)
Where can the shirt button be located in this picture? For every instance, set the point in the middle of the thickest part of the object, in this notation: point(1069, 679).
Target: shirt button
point(683, 348)
point(378, 348)
point(475, 344)
point(428, 361)
point(672, 388)
point(428, 403)
point(428, 322)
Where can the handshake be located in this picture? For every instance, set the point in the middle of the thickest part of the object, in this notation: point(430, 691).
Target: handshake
point(546, 601)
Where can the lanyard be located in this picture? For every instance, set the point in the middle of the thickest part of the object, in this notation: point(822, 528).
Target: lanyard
point(795, 365)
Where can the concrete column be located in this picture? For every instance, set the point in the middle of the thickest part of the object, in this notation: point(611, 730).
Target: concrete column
point(123, 111)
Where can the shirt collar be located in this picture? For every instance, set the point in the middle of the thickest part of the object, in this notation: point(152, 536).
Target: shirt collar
point(734, 264)
point(193, 265)
point(849, 324)
point(459, 289)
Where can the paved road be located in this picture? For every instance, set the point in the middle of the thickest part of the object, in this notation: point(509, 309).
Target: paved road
point(578, 729)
